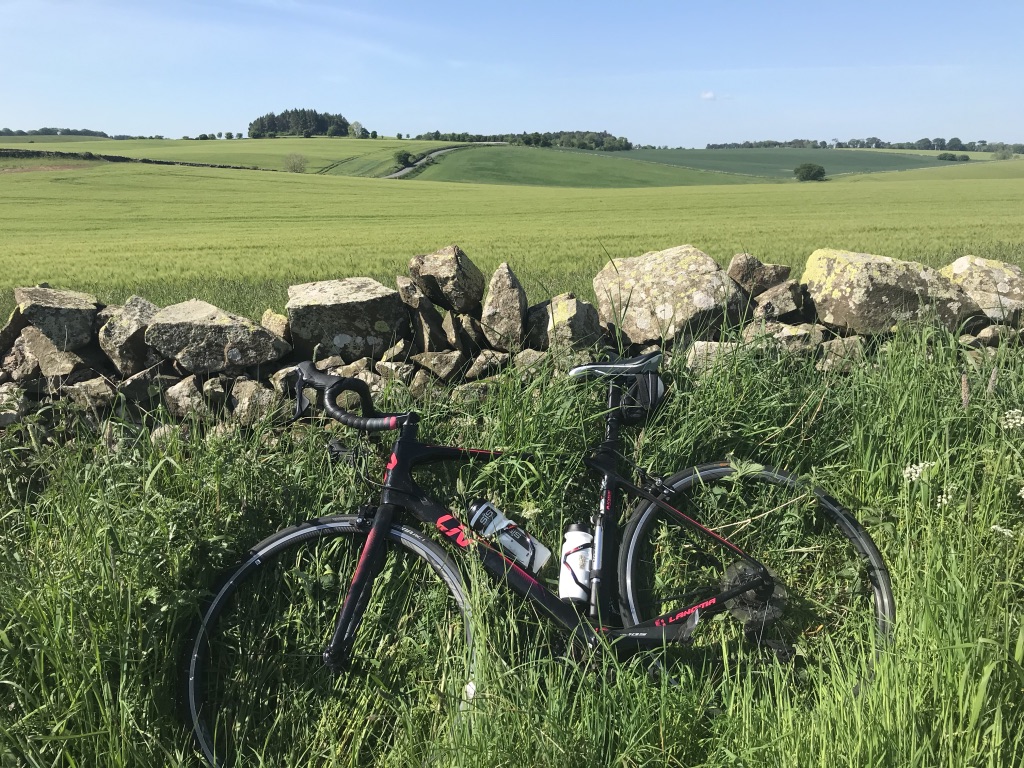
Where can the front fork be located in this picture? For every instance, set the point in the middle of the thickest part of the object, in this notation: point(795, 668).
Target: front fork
point(338, 652)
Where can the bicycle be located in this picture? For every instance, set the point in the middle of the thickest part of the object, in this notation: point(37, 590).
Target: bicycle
point(367, 604)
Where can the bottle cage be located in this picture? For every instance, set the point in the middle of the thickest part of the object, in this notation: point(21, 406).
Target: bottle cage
point(642, 397)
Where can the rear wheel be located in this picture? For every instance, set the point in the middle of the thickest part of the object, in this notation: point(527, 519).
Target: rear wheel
point(256, 688)
point(832, 595)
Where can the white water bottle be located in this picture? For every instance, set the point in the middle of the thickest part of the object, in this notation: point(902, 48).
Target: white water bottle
point(491, 522)
point(577, 556)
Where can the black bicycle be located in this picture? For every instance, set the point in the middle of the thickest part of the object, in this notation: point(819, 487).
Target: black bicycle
point(722, 558)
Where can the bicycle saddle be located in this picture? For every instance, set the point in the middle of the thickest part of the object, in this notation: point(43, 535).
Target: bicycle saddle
point(626, 366)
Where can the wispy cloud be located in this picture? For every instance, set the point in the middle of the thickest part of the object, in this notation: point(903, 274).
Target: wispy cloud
point(707, 96)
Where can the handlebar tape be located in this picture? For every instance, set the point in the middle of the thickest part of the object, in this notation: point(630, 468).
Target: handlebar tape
point(333, 386)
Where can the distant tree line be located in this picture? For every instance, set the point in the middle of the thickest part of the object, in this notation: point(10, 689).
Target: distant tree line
point(71, 132)
point(306, 122)
point(872, 142)
point(593, 140)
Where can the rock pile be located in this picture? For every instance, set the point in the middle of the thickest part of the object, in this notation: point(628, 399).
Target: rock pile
point(445, 323)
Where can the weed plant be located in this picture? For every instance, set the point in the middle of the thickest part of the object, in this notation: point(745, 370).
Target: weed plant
point(109, 542)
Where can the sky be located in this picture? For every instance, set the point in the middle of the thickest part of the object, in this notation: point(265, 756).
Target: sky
point(675, 73)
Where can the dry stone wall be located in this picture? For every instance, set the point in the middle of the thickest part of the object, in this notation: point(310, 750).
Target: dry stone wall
point(446, 324)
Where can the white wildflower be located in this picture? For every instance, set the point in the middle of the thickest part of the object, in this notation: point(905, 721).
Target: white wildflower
point(942, 500)
point(1013, 419)
point(1004, 531)
point(914, 471)
point(1021, 492)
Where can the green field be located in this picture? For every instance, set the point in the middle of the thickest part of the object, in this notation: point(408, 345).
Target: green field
point(342, 156)
point(243, 236)
point(108, 542)
point(557, 168)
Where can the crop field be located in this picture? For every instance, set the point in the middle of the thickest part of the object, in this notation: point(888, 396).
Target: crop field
point(559, 168)
point(109, 540)
point(341, 156)
point(243, 236)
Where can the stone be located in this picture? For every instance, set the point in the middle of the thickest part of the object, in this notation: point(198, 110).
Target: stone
point(95, 394)
point(504, 310)
point(399, 353)
point(863, 293)
point(445, 365)
point(356, 317)
point(464, 334)
point(252, 402)
point(780, 301)
point(664, 294)
point(998, 335)
point(123, 337)
point(215, 391)
point(487, 363)
point(202, 338)
point(185, 400)
point(427, 325)
point(472, 393)
point(530, 361)
point(20, 364)
point(147, 385)
point(573, 323)
point(163, 435)
point(841, 355)
point(64, 317)
point(421, 384)
point(402, 372)
point(277, 324)
point(755, 277)
point(535, 331)
point(13, 404)
point(449, 279)
point(53, 361)
point(997, 287)
point(11, 331)
point(705, 356)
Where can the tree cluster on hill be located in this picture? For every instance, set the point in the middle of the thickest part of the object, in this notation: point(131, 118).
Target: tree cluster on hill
point(305, 122)
point(71, 132)
point(593, 140)
point(873, 142)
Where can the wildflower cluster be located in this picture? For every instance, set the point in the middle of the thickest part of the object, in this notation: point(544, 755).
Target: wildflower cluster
point(1013, 419)
point(914, 471)
point(942, 500)
point(1004, 531)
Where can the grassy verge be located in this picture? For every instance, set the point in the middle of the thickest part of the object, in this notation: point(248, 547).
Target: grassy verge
point(109, 544)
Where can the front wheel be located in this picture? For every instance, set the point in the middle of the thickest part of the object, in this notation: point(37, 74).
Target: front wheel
point(256, 689)
point(831, 596)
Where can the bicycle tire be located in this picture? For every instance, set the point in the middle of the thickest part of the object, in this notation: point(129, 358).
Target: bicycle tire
point(256, 690)
point(834, 596)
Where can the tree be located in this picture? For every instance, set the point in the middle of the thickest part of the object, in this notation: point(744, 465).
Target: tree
point(229, 135)
point(923, 144)
point(939, 143)
point(955, 145)
point(403, 158)
point(356, 129)
point(220, 135)
point(809, 172)
point(295, 163)
point(398, 135)
point(373, 134)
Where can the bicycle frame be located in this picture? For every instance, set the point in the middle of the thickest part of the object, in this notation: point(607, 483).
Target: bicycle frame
point(587, 625)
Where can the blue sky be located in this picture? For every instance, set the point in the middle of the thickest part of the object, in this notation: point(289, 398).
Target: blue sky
point(674, 73)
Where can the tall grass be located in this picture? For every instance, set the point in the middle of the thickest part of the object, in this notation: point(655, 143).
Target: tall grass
point(110, 542)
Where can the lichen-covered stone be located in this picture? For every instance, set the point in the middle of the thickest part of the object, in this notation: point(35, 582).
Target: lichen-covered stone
point(252, 402)
point(95, 394)
point(464, 334)
point(868, 294)
point(123, 337)
point(13, 404)
point(998, 335)
point(841, 355)
point(487, 363)
point(572, 323)
point(755, 277)
point(449, 279)
point(64, 317)
point(202, 338)
point(705, 356)
point(277, 324)
point(356, 317)
point(20, 364)
point(504, 310)
point(996, 286)
point(394, 371)
point(53, 361)
point(185, 400)
point(427, 324)
point(660, 295)
point(11, 330)
point(780, 301)
point(445, 365)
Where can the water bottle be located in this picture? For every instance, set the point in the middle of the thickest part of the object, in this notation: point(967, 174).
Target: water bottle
point(489, 521)
point(577, 555)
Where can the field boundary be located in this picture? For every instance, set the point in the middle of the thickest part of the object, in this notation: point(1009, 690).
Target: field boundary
point(39, 153)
